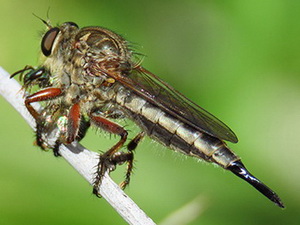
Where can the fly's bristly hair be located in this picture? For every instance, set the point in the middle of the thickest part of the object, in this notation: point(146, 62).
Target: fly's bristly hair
point(137, 56)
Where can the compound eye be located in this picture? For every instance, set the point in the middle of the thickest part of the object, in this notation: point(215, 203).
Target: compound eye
point(48, 40)
point(72, 24)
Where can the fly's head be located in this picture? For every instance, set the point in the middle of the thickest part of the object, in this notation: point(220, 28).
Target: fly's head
point(57, 49)
point(79, 56)
point(90, 55)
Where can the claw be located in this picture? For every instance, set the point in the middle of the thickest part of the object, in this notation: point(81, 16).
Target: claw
point(96, 192)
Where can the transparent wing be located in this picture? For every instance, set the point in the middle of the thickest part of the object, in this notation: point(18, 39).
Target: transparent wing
point(156, 91)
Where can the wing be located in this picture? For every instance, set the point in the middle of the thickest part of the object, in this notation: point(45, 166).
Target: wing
point(159, 93)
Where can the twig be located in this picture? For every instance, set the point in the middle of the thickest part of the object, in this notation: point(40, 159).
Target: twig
point(81, 159)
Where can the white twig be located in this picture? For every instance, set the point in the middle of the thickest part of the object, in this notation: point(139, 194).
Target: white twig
point(81, 159)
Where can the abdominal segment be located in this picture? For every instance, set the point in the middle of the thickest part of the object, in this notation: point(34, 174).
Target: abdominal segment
point(173, 133)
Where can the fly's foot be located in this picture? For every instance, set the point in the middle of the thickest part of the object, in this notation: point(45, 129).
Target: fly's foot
point(128, 157)
point(39, 136)
point(96, 192)
point(40, 141)
point(108, 164)
point(105, 165)
point(112, 157)
point(121, 158)
point(56, 149)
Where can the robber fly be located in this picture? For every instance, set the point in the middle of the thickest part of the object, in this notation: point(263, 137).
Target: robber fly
point(89, 77)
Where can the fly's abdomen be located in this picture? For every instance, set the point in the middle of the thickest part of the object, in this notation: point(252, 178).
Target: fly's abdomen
point(173, 133)
point(177, 135)
point(215, 149)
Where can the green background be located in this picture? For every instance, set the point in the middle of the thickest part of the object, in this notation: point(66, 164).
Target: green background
point(237, 59)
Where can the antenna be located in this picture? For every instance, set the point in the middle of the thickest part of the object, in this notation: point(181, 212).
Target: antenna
point(44, 21)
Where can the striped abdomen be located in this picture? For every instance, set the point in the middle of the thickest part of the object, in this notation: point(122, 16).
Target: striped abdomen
point(173, 133)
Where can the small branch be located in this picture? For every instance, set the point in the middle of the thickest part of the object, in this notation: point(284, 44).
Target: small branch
point(83, 160)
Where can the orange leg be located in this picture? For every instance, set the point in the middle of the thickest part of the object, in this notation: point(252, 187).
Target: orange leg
point(73, 123)
point(105, 162)
point(46, 94)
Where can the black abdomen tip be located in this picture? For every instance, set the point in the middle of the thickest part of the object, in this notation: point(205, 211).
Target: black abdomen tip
point(239, 169)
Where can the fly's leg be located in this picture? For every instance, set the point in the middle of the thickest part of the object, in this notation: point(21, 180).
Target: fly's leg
point(56, 148)
point(76, 128)
point(22, 71)
point(46, 94)
point(130, 147)
point(119, 159)
point(105, 161)
point(122, 157)
point(83, 128)
point(40, 142)
point(74, 118)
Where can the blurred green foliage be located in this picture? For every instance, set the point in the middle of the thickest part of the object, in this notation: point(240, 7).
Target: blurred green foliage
point(237, 59)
